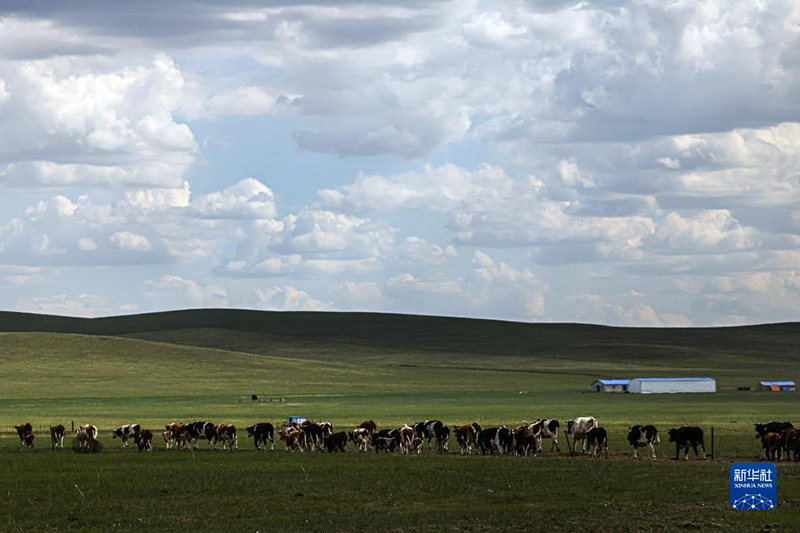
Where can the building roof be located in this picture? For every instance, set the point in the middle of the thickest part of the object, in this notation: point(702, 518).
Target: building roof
point(779, 383)
point(614, 381)
point(674, 379)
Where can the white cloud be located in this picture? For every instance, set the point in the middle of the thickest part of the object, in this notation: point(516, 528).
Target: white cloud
point(247, 199)
point(173, 291)
point(286, 298)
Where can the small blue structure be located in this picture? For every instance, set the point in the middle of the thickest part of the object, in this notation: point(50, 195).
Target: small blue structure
point(295, 420)
point(611, 385)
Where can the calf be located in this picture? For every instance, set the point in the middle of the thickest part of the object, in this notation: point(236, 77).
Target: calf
point(57, 436)
point(416, 445)
point(641, 436)
point(578, 429)
point(23, 430)
point(336, 442)
point(687, 437)
point(773, 444)
point(227, 434)
point(144, 439)
point(125, 432)
point(597, 439)
point(361, 439)
point(261, 433)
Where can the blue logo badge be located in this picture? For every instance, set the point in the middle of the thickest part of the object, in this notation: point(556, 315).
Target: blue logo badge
point(754, 486)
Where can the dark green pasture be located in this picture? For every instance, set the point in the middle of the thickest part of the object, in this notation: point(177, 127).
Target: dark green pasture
point(344, 368)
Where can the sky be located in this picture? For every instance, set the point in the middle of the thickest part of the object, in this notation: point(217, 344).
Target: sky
point(618, 162)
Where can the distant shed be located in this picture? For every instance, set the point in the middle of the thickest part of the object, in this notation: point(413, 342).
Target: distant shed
point(611, 385)
point(672, 385)
point(778, 386)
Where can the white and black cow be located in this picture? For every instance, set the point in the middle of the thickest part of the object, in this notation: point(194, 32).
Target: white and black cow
point(361, 438)
point(57, 436)
point(428, 429)
point(128, 431)
point(387, 440)
point(597, 439)
point(201, 430)
point(641, 436)
point(545, 429)
point(500, 440)
point(687, 437)
point(261, 433)
point(578, 429)
point(442, 439)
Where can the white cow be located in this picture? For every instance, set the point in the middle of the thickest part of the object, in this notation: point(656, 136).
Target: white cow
point(578, 429)
point(361, 439)
point(87, 436)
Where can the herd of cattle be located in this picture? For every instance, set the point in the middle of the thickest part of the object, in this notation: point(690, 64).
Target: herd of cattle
point(777, 438)
point(309, 436)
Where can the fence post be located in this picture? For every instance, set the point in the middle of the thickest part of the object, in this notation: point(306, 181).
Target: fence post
point(712, 443)
point(73, 426)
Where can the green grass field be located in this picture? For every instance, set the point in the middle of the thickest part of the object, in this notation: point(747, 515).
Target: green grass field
point(154, 369)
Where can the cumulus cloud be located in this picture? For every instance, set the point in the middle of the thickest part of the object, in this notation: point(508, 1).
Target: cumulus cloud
point(286, 298)
point(174, 291)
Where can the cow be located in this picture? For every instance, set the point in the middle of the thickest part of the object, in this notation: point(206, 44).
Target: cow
point(407, 435)
point(361, 438)
point(179, 434)
point(292, 438)
point(427, 429)
point(201, 430)
point(525, 441)
point(57, 434)
point(227, 434)
point(167, 439)
point(416, 445)
point(125, 432)
point(336, 442)
point(791, 442)
point(597, 439)
point(467, 437)
point(313, 434)
point(29, 438)
point(442, 439)
point(500, 440)
point(687, 437)
point(23, 430)
point(772, 442)
point(369, 425)
point(326, 428)
point(641, 436)
point(770, 427)
point(545, 429)
point(143, 439)
point(261, 433)
point(578, 429)
point(386, 440)
point(86, 436)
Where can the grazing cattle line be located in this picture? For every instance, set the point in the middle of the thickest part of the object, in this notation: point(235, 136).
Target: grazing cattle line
point(779, 440)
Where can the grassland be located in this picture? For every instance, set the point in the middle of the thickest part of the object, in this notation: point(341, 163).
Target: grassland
point(154, 369)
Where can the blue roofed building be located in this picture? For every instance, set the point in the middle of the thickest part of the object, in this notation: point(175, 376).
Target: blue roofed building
point(611, 385)
point(778, 386)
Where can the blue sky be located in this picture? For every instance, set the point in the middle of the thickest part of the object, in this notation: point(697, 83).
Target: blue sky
point(627, 163)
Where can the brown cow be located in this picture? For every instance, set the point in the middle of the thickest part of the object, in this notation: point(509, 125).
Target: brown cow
point(144, 439)
point(407, 435)
point(773, 444)
point(791, 441)
point(416, 445)
point(467, 437)
point(369, 425)
point(23, 430)
point(227, 434)
point(336, 442)
point(293, 439)
point(178, 435)
point(57, 436)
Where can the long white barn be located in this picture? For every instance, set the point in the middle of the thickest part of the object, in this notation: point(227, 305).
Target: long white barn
point(671, 385)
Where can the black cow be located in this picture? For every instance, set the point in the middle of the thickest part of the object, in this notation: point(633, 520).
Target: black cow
point(641, 436)
point(442, 439)
point(201, 430)
point(314, 433)
point(261, 433)
point(770, 427)
point(427, 429)
point(687, 437)
point(386, 440)
point(496, 439)
point(596, 440)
